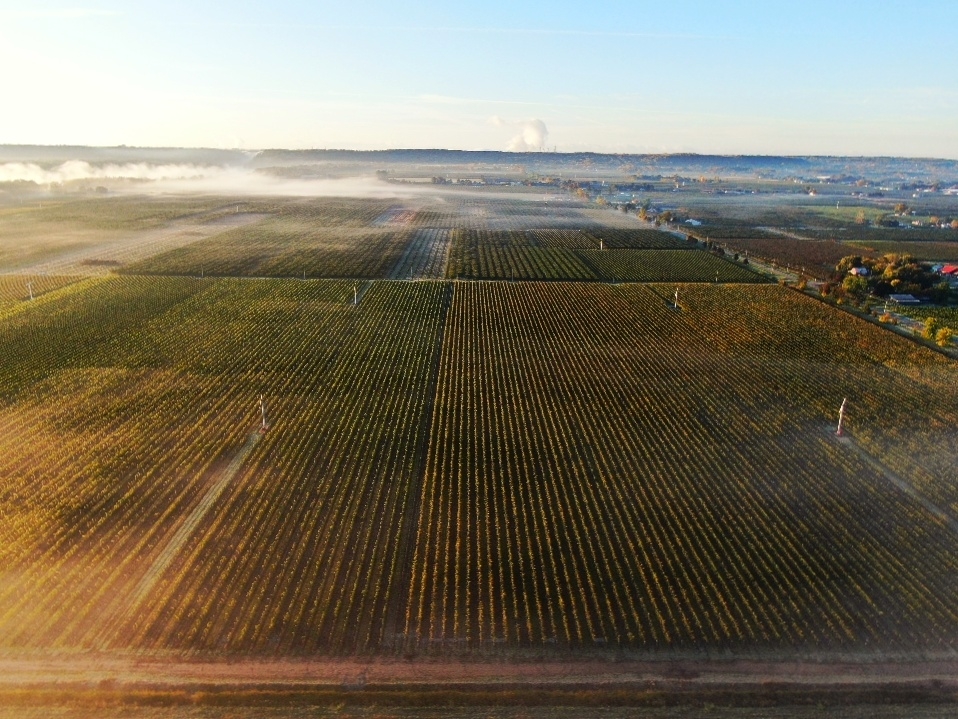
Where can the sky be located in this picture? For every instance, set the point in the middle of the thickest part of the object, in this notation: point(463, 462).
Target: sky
point(723, 76)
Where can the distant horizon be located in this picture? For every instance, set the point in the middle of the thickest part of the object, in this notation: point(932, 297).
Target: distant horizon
point(688, 153)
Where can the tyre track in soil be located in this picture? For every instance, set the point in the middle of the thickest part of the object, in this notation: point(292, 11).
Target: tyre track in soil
point(396, 609)
point(902, 484)
point(181, 535)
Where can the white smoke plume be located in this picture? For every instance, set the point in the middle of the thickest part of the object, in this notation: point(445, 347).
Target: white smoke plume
point(531, 137)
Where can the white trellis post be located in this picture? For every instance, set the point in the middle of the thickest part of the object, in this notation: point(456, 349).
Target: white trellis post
point(841, 417)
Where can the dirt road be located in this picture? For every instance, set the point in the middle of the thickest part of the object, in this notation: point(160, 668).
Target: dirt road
point(62, 671)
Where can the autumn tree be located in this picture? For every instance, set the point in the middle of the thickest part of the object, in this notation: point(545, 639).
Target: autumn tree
point(856, 287)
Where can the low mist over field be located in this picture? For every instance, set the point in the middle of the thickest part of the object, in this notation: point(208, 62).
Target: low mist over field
point(191, 179)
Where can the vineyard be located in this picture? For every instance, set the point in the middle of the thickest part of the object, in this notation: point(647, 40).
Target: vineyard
point(468, 466)
point(606, 470)
point(815, 257)
point(426, 256)
point(285, 247)
point(928, 251)
point(32, 234)
point(17, 288)
point(607, 255)
point(109, 446)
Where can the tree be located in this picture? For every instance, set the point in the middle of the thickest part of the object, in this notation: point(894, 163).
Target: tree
point(943, 337)
point(954, 224)
point(860, 218)
point(856, 287)
point(666, 217)
point(901, 208)
point(939, 293)
point(846, 263)
point(931, 328)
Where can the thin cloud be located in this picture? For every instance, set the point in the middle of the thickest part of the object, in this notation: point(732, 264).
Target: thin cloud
point(66, 13)
point(559, 32)
point(527, 31)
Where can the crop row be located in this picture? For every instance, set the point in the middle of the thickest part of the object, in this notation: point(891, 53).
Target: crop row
point(426, 256)
point(904, 396)
point(105, 453)
point(500, 255)
point(17, 288)
point(815, 257)
point(666, 266)
point(604, 469)
point(281, 247)
point(468, 465)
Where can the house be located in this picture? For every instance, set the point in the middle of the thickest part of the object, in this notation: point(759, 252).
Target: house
point(859, 271)
point(694, 223)
point(950, 270)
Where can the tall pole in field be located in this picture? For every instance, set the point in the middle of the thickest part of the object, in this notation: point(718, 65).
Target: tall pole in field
point(841, 417)
point(262, 409)
point(676, 298)
point(355, 295)
point(30, 290)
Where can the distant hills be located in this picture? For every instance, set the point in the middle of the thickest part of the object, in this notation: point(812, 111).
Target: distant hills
point(772, 166)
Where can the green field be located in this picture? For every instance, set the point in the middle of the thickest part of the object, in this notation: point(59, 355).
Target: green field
point(947, 316)
point(457, 467)
point(625, 256)
point(492, 434)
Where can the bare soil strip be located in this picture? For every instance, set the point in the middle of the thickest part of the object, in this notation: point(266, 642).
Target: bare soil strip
point(143, 672)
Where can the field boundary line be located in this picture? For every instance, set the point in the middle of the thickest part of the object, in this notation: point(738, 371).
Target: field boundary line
point(397, 606)
point(599, 276)
point(361, 289)
point(413, 246)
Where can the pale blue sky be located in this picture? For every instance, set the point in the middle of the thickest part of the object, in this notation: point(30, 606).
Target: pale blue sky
point(839, 77)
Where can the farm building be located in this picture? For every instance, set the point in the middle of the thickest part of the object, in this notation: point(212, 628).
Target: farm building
point(904, 299)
